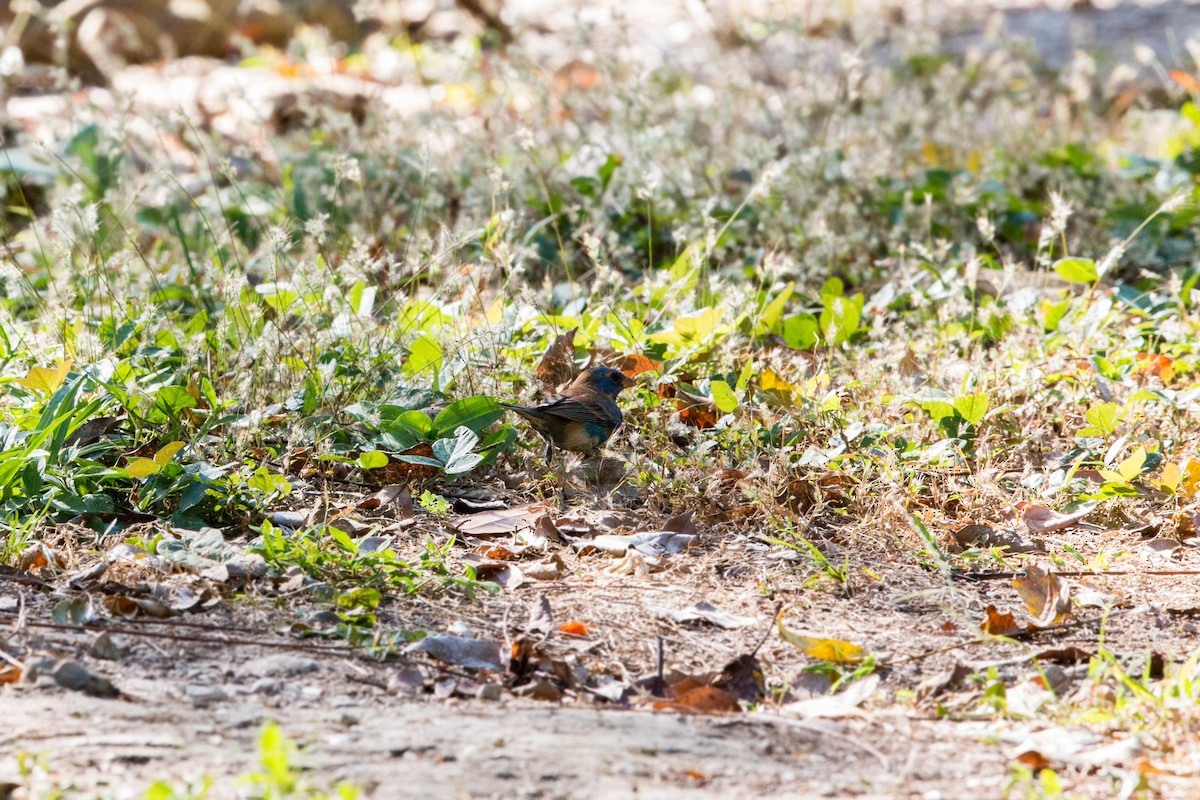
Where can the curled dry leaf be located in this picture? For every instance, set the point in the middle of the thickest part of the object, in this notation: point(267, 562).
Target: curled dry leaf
point(743, 679)
point(1040, 519)
point(574, 627)
point(999, 623)
point(396, 499)
point(508, 576)
point(462, 652)
point(541, 616)
point(1047, 596)
point(705, 612)
point(649, 543)
point(939, 682)
point(696, 410)
point(701, 700)
point(1075, 745)
point(558, 362)
point(551, 569)
point(985, 536)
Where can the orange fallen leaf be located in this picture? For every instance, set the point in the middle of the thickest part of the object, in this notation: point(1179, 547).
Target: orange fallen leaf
point(635, 364)
point(1034, 760)
point(1185, 79)
point(702, 700)
point(999, 624)
point(1157, 364)
point(574, 628)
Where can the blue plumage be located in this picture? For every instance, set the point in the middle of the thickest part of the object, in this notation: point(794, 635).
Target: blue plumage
point(584, 417)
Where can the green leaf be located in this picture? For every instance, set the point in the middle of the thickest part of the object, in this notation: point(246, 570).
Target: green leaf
point(972, 407)
point(424, 461)
point(747, 373)
point(362, 597)
point(1104, 418)
point(342, 538)
point(425, 353)
point(373, 459)
point(474, 413)
point(938, 409)
point(723, 396)
point(1076, 270)
point(800, 332)
point(279, 296)
point(771, 315)
point(840, 319)
point(171, 400)
point(418, 422)
point(264, 480)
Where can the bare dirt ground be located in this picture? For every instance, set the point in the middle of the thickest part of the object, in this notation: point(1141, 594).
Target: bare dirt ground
point(194, 705)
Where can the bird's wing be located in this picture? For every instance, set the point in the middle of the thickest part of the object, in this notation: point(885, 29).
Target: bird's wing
point(583, 410)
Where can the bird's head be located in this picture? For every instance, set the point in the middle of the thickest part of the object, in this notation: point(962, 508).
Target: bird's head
point(605, 380)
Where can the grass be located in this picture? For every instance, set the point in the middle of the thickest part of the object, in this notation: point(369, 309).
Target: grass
point(880, 292)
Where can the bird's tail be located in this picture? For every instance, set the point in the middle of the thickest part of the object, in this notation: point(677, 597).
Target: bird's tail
point(522, 410)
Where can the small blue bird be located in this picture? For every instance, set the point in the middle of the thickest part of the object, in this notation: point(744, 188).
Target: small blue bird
point(584, 417)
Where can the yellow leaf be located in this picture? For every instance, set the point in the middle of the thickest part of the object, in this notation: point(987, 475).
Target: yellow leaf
point(834, 650)
point(974, 162)
point(44, 379)
point(1131, 467)
point(167, 452)
point(1169, 480)
point(930, 154)
point(771, 382)
point(1191, 477)
point(495, 314)
point(142, 467)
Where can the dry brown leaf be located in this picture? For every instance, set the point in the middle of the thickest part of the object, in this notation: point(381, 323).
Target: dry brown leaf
point(558, 362)
point(500, 522)
point(985, 536)
point(397, 471)
point(469, 653)
point(999, 624)
point(1047, 596)
point(396, 496)
point(1040, 519)
point(701, 700)
point(696, 410)
point(508, 576)
point(939, 682)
